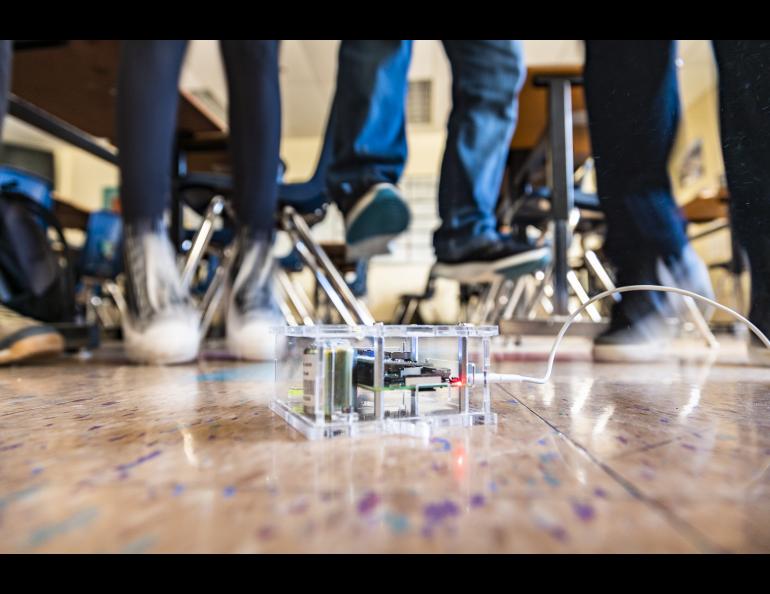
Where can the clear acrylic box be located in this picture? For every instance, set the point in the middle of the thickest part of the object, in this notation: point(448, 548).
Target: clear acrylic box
point(355, 380)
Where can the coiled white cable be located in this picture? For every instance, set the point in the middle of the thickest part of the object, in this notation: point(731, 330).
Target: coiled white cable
point(510, 377)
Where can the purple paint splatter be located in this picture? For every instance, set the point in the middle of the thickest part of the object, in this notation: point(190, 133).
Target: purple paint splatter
point(584, 511)
point(599, 492)
point(477, 500)
point(445, 444)
point(558, 533)
point(688, 446)
point(228, 491)
point(368, 503)
point(664, 420)
point(124, 467)
point(266, 532)
point(622, 439)
point(436, 512)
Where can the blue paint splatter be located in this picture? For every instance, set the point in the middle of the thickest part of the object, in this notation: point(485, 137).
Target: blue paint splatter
point(177, 489)
point(493, 486)
point(37, 470)
point(548, 457)
point(249, 373)
point(397, 523)
point(17, 495)
point(445, 444)
point(140, 545)
point(542, 441)
point(550, 479)
point(228, 491)
point(46, 533)
point(664, 420)
point(512, 401)
point(368, 502)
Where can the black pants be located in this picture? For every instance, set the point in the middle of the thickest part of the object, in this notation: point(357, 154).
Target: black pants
point(633, 107)
point(147, 109)
point(6, 52)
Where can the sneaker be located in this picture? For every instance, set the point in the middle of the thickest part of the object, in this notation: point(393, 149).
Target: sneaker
point(379, 215)
point(508, 258)
point(160, 325)
point(643, 340)
point(22, 338)
point(252, 310)
point(638, 331)
point(759, 354)
point(687, 272)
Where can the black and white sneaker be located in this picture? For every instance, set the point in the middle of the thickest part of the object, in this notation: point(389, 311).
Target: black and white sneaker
point(252, 310)
point(160, 325)
point(639, 332)
point(507, 258)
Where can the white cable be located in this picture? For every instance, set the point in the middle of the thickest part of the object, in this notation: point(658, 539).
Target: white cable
point(510, 377)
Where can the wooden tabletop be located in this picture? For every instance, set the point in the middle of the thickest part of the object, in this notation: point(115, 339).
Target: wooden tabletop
point(76, 82)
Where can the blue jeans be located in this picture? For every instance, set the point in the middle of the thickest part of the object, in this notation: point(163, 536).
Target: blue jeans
point(633, 109)
point(370, 136)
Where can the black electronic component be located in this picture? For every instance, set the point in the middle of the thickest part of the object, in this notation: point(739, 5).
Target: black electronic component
point(399, 371)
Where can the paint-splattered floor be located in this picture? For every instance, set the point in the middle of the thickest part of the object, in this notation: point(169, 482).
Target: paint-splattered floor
point(99, 456)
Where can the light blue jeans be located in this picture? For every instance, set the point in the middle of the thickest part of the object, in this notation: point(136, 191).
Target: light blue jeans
point(370, 137)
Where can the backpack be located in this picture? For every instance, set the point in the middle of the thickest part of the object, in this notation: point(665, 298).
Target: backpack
point(35, 280)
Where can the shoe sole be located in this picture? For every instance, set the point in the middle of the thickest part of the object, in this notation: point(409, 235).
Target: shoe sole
point(631, 353)
point(759, 356)
point(481, 271)
point(392, 215)
point(38, 346)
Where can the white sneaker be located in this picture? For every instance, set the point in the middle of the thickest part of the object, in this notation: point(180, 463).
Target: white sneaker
point(251, 309)
point(160, 326)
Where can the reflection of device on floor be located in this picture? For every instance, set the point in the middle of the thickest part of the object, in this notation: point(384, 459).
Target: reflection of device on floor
point(373, 379)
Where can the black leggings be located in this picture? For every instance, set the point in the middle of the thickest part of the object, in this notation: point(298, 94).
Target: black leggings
point(147, 106)
point(6, 51)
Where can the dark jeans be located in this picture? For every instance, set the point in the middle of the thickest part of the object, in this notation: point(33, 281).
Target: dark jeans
point(147, 108)
point(370, 136)
point(633, 108)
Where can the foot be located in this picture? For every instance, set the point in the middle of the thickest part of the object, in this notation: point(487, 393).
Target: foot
point(160, 325)
point(638, 330)
point(759, 354)
point(252, 311)
point(22, 338)
point(377, 217)
point(642, 341)
point(687, 272)
point(508, 258)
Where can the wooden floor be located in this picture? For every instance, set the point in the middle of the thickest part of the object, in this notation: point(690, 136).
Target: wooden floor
point(100, 456)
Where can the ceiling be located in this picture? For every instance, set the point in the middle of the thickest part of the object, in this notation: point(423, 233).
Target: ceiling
point(308, 69)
